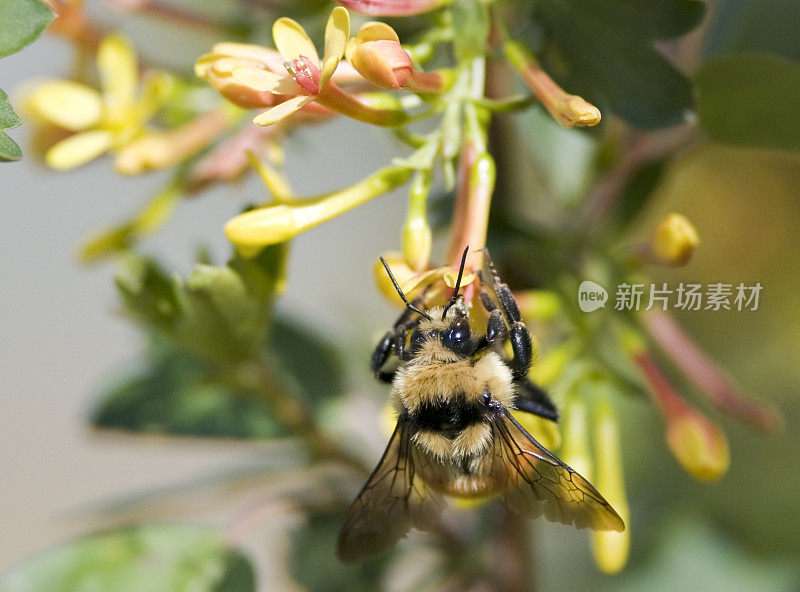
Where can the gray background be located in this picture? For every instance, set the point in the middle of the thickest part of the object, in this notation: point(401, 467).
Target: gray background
point(61, 337)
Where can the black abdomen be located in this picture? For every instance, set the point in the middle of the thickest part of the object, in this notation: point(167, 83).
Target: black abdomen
point(448, 417)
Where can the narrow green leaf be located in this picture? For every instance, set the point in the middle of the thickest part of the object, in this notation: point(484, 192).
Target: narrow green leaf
point(23, 21)
point(750, 100)
point(152, 557)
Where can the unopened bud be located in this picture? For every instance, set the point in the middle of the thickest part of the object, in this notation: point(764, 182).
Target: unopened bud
point(568, 110)
point(610, 548)
point(417, 239)
point(699, 445)
point(377, 55)
point(674, 240)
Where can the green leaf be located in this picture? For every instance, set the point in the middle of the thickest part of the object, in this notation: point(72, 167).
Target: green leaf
point(152, 557)
point(9, 150)
point(174, 393)
point(22, 23)
point(313, 562)
point(213, 313)
point(762, 26)
point(8, 118)
point(604, 51)
point(750, 100)
point(178, 394)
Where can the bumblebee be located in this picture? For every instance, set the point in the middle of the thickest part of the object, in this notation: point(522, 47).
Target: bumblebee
point(453, 391)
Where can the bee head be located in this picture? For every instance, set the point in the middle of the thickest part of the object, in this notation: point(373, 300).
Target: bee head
point(451, 331)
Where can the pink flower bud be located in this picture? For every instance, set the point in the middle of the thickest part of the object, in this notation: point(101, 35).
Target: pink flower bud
point(384, 63)
point(392, 7)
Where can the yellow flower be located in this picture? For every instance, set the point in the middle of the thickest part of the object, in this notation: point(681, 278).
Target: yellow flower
point(305, 75)
point(101, 120)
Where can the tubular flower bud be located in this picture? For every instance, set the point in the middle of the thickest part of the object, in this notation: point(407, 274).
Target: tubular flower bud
point(576, 438)
point(417, 236)
point(568, 110)
point(392, 7)
point(377, 55)
point(610, 549)
point(674, 240)
point(698, 444)
point(709, 378)
point(278, 223)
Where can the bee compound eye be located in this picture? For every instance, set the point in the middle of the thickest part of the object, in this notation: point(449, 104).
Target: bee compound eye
point(457, 338)
point(487, 397)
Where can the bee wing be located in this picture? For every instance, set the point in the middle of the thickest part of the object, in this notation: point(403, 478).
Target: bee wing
point(539, 483)
point(394, 499)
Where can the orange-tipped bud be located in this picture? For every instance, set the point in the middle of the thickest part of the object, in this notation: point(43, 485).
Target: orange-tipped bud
point(699, 445)
point(568, 110)
point(674, 241)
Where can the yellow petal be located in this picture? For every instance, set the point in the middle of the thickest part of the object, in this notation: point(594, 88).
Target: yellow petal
point(263, 80)
point(278, 112)
point(78, 149)
point(350, 48)
point(250, 51)
point(292, 41)
point(375, 31)
point(156, 89)
point(225, 64)
point(336, 33)
point(119, 72)
point(66, 104)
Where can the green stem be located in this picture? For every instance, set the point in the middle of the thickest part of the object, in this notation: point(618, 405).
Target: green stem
point(335, 99)
point(259, 378)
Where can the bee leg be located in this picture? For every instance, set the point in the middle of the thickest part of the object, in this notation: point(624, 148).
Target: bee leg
point(521, 343)
point(380, 355)
point(533, 399)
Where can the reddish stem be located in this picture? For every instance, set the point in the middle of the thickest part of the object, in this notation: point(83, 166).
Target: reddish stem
point(703, 372)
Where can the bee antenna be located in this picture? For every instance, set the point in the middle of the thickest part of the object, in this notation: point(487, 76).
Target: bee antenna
point(454, 297)
point(409, 306)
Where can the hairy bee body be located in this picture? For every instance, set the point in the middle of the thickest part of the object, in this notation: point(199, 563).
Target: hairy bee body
point(453, 393)
point(441, 396)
